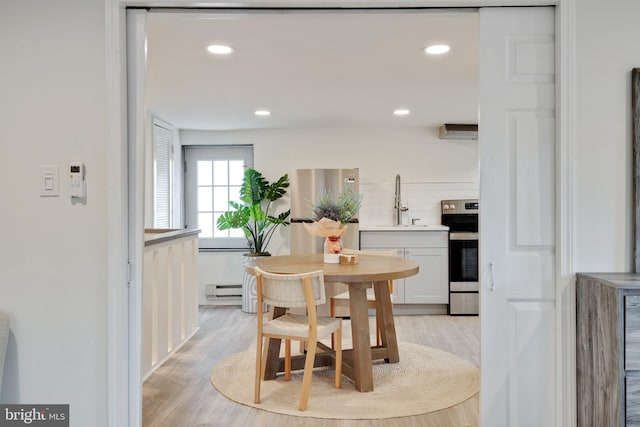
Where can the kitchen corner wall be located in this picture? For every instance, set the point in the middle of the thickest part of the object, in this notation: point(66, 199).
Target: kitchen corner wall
point(431, 169)
point(380, 153)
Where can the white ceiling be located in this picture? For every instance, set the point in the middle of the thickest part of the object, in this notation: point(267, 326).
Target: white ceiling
point(312, 69)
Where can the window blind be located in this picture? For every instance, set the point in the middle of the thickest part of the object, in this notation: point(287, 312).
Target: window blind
point(163, 153)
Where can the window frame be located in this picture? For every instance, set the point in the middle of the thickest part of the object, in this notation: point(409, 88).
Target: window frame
point(193, 154)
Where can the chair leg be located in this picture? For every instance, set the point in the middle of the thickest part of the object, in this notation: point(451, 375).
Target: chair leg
point(256, 395)
point(287, 360)
point(332, 313)
point(339, 356)
point(308, 372)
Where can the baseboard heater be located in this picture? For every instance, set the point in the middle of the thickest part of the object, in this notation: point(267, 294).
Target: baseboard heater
point(223, 291)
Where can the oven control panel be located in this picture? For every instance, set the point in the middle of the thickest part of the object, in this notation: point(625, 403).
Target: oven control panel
point(466, 206)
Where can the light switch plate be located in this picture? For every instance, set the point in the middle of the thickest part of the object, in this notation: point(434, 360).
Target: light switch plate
point(49, 181)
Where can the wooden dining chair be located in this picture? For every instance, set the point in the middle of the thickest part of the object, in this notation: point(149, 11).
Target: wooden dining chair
point(342, 299)
point(295, 290)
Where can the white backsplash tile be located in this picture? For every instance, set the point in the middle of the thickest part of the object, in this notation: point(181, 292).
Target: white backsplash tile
point(422, 199)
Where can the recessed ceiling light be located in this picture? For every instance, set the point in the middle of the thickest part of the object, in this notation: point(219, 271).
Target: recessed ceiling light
point(219, 49)
point(401, 112)
point(262, 113)
point(436, 49)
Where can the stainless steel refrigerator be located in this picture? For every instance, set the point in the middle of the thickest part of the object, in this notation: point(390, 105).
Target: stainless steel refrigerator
point(305, 187)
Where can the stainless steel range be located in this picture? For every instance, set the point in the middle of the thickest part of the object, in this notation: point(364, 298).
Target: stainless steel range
point(461, 216)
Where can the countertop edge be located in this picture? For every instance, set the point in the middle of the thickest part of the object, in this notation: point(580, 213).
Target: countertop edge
point(160, 237)
point(614, 280)
point(404, 228)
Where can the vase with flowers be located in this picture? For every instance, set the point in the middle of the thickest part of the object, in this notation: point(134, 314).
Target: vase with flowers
point(331, 214)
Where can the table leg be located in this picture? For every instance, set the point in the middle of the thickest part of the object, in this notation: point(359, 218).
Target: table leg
point(273, 349)
point(384, 314)
point(363, 370)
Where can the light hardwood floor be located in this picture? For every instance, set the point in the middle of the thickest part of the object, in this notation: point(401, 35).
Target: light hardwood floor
point(179, 393)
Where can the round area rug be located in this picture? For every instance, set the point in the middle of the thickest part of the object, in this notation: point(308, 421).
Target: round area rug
point(425, 380)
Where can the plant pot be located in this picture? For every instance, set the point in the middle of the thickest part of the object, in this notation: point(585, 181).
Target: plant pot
point(332, 249)
point(249, 291)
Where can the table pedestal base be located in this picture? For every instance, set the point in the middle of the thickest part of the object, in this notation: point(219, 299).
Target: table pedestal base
point(356, 362)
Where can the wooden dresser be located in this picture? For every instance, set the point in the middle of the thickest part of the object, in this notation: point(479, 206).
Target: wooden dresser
point(608, 349)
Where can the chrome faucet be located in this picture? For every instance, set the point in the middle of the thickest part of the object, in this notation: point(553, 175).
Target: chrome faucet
point(398, 204)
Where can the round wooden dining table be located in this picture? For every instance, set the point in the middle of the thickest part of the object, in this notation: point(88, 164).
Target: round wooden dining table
point(370, 271)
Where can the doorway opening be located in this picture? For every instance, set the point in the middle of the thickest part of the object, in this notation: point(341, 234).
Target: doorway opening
point(332, 81)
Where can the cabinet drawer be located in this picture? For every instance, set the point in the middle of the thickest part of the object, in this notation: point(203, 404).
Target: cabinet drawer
point(404, 239)
point(633, 401)
point(632, 332)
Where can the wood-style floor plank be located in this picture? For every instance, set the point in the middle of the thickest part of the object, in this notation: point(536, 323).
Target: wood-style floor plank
point(179, 394)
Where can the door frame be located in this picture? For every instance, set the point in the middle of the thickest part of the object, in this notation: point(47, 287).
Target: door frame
point(123, 269)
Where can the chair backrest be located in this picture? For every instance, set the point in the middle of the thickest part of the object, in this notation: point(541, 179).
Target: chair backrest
point(286, 290)
point(390, 252)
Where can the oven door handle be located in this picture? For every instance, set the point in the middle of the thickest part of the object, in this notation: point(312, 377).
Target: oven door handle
point(464, 236)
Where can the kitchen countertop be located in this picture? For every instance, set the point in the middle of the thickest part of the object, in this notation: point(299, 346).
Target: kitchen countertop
point(417, 227)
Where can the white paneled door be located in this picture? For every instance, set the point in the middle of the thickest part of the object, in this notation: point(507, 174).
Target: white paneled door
point(517, 216)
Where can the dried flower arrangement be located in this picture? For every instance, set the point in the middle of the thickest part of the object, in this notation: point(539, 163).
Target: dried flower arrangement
point(343, 208)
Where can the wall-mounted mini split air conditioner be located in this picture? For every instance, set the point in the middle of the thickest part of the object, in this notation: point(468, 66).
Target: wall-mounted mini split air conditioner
point(458, 131)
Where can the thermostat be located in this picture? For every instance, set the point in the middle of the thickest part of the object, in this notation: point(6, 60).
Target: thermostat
point(77, 181)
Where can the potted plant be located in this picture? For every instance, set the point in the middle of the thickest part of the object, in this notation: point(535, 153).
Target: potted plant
point(255, 217)
point(253, 214)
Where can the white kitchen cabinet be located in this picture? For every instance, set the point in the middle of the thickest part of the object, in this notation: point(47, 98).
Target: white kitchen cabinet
point(429, 248)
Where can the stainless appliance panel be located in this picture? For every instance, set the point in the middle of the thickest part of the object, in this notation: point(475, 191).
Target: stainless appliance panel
point(464, 286)
point(461, 216)
point(305, 187)
point(307, 184)
point(464, 236)
point(468, 303)
point(460, 206)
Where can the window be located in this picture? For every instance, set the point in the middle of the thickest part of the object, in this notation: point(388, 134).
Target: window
point(213, 177)
point(162, 178)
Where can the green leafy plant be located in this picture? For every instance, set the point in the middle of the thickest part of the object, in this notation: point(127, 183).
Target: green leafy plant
point(253, 214)
point(343, 208)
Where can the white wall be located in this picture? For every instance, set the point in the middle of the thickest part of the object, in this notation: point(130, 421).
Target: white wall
point(52, 253)
point(607, 50)
point(380, 153)
point(431, 169)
